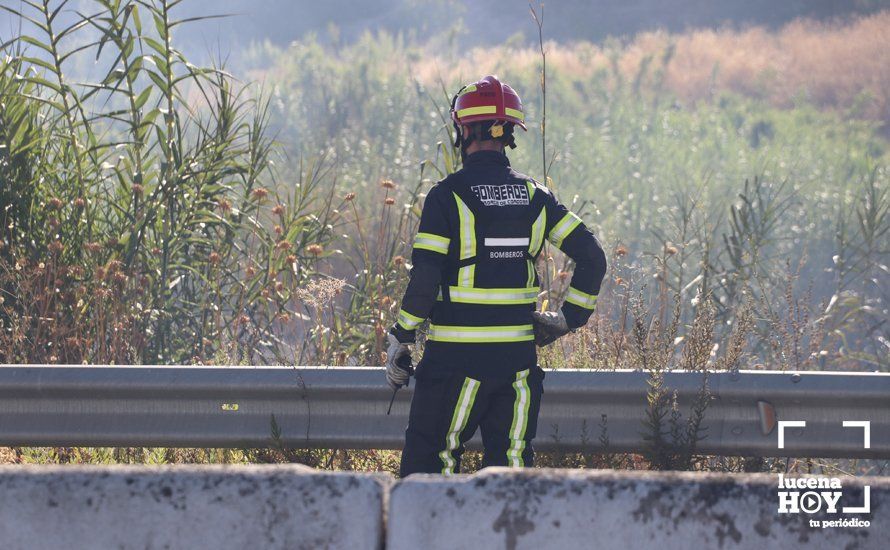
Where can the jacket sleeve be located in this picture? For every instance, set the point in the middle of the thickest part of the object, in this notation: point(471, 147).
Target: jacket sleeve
point(428, 258)
point(567, 232)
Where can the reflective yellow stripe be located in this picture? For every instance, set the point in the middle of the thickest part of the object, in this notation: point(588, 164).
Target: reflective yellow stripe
point(468, 89)
point(408, 321)
point(514, 113)
point(481, 335)
point(538, 227)
point(467, 229)
point(564, 228)
point(520, 419)
point(531, 189)
point(466, 276)
point(481, 110)
point(536, 242)
point(495, 296)
point(467, 221)
point(429, 241)
point(458, 422)
point(581, 299)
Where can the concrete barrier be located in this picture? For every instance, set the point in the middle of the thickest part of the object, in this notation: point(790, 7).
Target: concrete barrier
point(500, 508)
point(43, 507)
point(194, 507)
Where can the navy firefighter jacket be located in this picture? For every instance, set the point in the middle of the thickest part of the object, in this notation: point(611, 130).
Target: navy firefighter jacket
point(474, 275)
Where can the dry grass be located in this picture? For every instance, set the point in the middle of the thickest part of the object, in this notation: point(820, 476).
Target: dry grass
point(841, 65)
point(830, 65)
point(8, 456)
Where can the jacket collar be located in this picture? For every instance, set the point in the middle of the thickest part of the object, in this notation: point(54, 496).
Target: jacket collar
point(487, 157)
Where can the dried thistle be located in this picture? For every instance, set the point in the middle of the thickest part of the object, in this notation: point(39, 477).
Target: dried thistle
point(319, 292)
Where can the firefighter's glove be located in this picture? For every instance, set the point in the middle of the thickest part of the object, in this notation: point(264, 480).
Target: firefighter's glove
point(549, 326)
point(398, 362)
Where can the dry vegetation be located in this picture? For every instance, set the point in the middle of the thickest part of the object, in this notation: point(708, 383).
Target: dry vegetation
point(840, 65)
point(832, 65)
point(8, 456)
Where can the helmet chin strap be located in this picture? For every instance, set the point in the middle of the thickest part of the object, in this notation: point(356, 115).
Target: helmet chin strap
point(458, 131)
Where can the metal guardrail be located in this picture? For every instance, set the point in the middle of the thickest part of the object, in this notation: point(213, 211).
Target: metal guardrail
point(326, 407)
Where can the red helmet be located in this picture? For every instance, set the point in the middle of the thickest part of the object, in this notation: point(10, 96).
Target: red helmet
point(487, 99)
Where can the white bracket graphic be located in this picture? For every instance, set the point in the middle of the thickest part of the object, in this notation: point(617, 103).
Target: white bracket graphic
point(866, 432)
point(788, 424)
point(866, 503)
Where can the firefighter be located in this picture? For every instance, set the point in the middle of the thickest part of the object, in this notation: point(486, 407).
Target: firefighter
point(474, 278)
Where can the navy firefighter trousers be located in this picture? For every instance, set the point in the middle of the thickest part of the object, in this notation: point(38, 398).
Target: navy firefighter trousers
point(449, 406)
